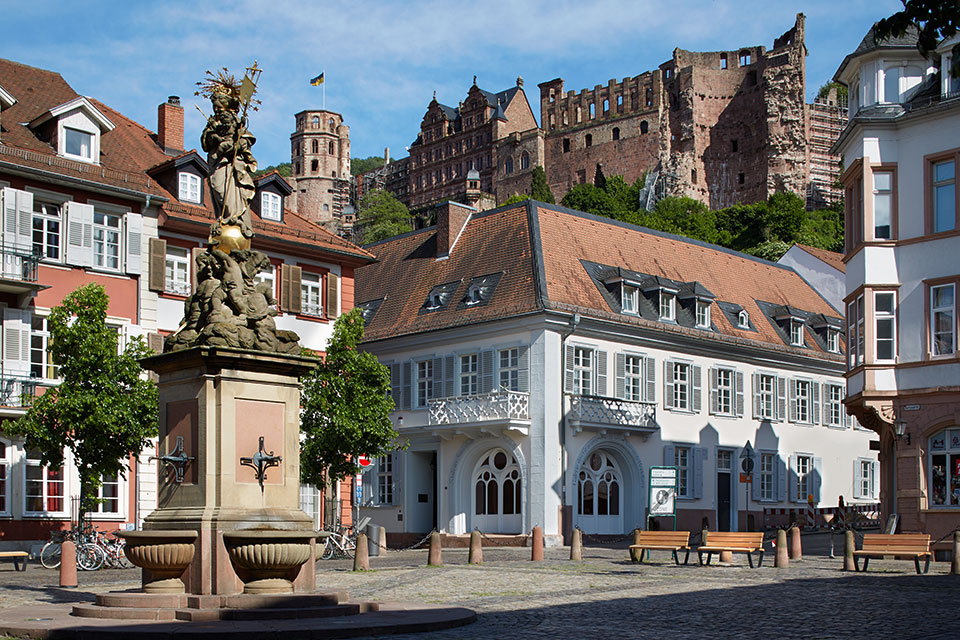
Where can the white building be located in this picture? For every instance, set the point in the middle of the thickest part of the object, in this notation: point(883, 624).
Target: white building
point(543, 360)
point(822, 269)
point(901, 151)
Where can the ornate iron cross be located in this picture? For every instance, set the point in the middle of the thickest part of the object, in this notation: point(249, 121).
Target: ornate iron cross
point(260, 462)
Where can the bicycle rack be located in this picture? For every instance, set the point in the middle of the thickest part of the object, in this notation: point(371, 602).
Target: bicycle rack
point(176, 459)
point(260, 462)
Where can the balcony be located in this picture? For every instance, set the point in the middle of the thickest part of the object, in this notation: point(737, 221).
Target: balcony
point(17, 392)
point(597, 413)
point(19, 270)
point(487, 412)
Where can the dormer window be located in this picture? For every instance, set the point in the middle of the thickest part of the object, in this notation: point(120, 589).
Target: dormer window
point(743, 320)
point(189, 187)
point(668, 306)
point(796, 332)
point(629, 299)
point(833, 340)
point(78, 144)
point(435, 301)
point(474, 296)
point(270, 206)
point(703, 314)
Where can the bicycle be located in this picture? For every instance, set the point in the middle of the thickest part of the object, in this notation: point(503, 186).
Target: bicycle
point(93, 549)
point(339, 544)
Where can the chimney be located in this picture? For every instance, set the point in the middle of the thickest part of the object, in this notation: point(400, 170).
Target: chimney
point(452, 217)
point(170, 126)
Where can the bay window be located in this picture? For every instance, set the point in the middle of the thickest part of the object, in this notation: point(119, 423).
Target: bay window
point(942, 320)
point(885, 326)
point(883, 205)
point(943, 194)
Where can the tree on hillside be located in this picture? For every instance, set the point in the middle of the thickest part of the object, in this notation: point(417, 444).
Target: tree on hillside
point(285, 169)
point(380, 216)
point(515, 198)
point(104, 409)
point(362, 165)
point(934, 21)
point(539, 189)
point(346, 407)
point(616, 199)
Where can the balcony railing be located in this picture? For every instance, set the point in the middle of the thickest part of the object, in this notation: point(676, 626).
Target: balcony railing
point(496, 406)
point(16, 391)
point(614, 413)
point(18, 263)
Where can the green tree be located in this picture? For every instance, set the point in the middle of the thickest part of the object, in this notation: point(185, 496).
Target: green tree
point(284, 168)
point(539, 189)
point(104, 409)
point(380, 216)
point(362, 165)
point(516, 198)
point(825, 88)
point(346, 407)
point(934, 21)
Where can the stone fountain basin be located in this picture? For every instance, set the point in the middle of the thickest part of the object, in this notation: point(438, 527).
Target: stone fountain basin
point(267, 556)
point(164, 553)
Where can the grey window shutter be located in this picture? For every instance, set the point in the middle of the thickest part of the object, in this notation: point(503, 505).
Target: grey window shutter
point(755, 485)
point(79, 221)
point(486, 371)
point(436, 385)
point(523, 366)
point(825, 406)
point(398, 461)
point(857, 479)
point(781, 479)
point(157, 265)
point(16, 341)
point(17, 219)
point(568, 369)
point(793, 400)
point(395, 384)
point(669, 455)
point(738, 392)
point(601, 357)
point(696, 388)
point(619, 375)
point(407, 384)
point(817, 479)
point(781, 398)
point(290, 281)
point(757, 409)
point(714, 400)
point(875, 485)
point(815, 414)
point(699, 453)
point(134, 253)
point(450, 376)
point(668, 384)
point(793, 479)
point(845, 417)
point(333, 295)
point(650, 379)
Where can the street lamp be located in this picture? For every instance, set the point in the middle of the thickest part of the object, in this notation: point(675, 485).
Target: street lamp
point(900, 430)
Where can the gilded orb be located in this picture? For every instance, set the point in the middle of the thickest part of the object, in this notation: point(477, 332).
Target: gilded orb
point(232, 238)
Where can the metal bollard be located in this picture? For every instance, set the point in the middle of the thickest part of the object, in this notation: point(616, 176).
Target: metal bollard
point(476, 548)
point(536, 542)
point(576, 545)
point(68, 565)
point(361, 559)
point(435, 555)
point(781, 560)
point(849, 544)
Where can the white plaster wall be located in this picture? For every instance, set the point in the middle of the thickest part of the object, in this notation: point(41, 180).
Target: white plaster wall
point(828, 281)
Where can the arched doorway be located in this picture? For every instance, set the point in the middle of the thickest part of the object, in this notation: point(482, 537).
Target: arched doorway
point(497, 491)
point(599, 495)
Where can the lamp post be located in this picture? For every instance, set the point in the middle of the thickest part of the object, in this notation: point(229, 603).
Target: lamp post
point(900, 430)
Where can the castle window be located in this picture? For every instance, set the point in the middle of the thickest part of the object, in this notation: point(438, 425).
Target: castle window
point(588, 140)
point(649, 97)
point(741, 178)
point(616, 133)
point(315, 146)
point(693, 176)
point(330, 147)
point(752, 78)
point(566, 145)
point(667, 73)
point(524, 161)
point(723, 61)
point(296, 168)
point(314, 166)
point(316, 122)
point(566, 119)
point(553, 122)
point(606, 106)
point(579, 114)
point(620, 102)
point(593, 110)
point(744, 58)
point(734, 145)
point(644, 127)
point(332, 124)
point(551, 95)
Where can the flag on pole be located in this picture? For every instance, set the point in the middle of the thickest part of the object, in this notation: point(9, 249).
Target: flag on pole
point(318, 80)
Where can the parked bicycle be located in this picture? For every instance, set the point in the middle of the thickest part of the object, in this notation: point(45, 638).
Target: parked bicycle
point(93, 549)
point(339, 544)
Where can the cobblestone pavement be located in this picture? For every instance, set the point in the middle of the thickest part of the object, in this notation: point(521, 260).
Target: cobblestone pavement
point(606, 595)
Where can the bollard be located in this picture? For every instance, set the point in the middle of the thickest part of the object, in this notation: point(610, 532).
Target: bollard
point(955, 563)
point(726, 556)
point(68, 565)
point(796, 552)
point(781, 559)
point(849, 544)
point(576, 545)
point(361, 558)
point(383, 538)
point(536, 543)
point(636, 554)
point(476, 548)
point(435, 556)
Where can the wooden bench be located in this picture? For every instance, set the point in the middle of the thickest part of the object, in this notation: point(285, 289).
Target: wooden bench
point(19, 559)
point(674, 541)
point(733, 541)
point(911, 545)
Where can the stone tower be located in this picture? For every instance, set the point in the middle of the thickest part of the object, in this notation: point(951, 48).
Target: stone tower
point(320, 155)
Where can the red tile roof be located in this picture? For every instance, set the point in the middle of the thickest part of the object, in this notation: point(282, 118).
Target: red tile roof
point(539, 248)
point(831, 258)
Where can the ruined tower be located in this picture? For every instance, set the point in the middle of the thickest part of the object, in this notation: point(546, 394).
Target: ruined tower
point(320, 155)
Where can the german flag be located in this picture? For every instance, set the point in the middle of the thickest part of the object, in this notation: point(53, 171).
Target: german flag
point(317, 81)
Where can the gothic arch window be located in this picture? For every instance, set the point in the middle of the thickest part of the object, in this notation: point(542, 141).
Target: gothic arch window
point(315, 145)
point(524, 161)
point(508, 165)
point(316, 122)
point(332, 124)
point(644, 127)
point(314, 166)
point(599, 505)
point(497, 493)
point(588, 140)
point(616, 133)
point(330, 148)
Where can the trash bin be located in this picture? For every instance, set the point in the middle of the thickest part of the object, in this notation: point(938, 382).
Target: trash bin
point(373, 540)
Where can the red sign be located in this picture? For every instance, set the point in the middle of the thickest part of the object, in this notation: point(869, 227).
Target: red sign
point(364, 460)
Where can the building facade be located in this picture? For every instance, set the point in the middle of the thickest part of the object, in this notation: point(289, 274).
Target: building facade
point(824, 270)
point(901, 152)
point(320, 155)
point(827, 117)
point(543, 360)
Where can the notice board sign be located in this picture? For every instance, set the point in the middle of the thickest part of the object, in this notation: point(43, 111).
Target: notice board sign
point(663, 491)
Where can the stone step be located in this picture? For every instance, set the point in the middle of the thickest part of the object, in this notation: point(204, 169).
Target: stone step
point(122, 613)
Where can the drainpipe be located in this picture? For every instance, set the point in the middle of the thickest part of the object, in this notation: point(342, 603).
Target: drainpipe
point(574, 323)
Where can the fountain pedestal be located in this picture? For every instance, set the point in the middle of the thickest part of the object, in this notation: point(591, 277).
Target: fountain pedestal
point(221, 401)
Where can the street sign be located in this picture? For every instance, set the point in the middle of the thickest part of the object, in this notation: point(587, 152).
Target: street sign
point(746, 477)
point(746, 455)
point(358, 488)
point(364, 460)
point(663, 491)
point(747, 451)
point(747, 465)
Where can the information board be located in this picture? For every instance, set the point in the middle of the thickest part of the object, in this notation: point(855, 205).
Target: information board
point(663, 491)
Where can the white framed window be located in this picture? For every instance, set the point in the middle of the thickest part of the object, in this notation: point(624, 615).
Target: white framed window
point(41, 361)
point(311, 294)
point(510, 369)
point(743, 320)
point(855, 335)
point(833, 405)
point(78, 144)
point(833, 341)
point(176, 277)
point(633, 377)
point(44, 487)
point(681, 386)
point(885, 330)
point(883, 205)
point(667, 306)
point(5, 466)
point(768, 463)
point(270, 206)
point(470, 374)
point(269, 277)
point(683, 464)
point(703, 314)
point(106, 240)
point(189, 187)
point(865, 480)
point(943, 328)
point(803, 473)
point(109, 496)
point(45, 229)
point(801, 401)
point(944, 196)
point(766, 396)
point(424, 382)
point(583, 371)
point(385, 479)
point(722, 394)
point(629, 299)
point(796, 332)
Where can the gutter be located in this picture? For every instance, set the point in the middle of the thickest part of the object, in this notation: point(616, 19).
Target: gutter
point(90, 185)
point(574, 323)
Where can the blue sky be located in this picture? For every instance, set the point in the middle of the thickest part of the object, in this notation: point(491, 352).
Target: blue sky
point(383, 60)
